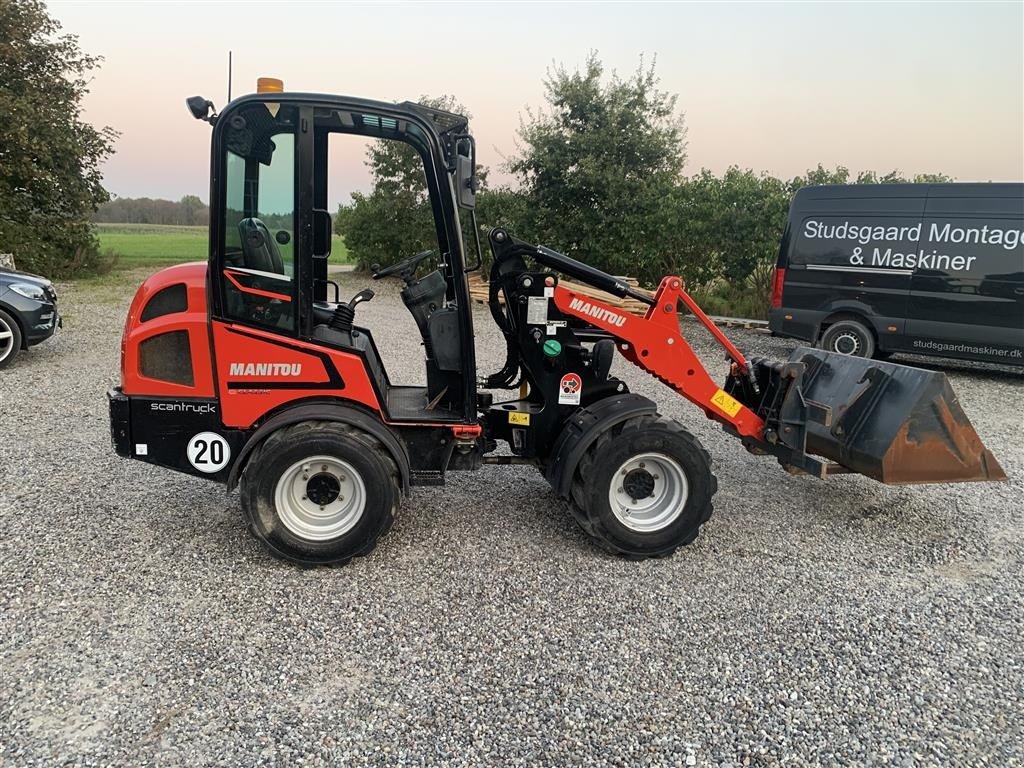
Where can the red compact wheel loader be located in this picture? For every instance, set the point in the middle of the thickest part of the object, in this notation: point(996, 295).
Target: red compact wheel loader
point(244, 370)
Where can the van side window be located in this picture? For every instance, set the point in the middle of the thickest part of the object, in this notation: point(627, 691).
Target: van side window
point(874, 240)
point(963, 246)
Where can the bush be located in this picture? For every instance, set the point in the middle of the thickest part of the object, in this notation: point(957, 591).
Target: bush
point(383, 229)
point(64, 253)
point(503, 207)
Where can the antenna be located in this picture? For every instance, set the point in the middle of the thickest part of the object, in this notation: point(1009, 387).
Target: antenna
point(229, 76)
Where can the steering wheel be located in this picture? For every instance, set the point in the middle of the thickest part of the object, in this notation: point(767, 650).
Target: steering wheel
point(405, 268)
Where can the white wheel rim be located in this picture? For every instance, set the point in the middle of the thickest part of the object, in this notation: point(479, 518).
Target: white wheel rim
point(6, 340)
point(320, 498)
point(846, 343)
point(662, 479)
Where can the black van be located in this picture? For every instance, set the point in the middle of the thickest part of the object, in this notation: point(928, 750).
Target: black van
point(934, 269)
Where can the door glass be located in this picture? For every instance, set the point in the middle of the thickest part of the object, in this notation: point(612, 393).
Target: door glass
point(234, 209)
point(259, 218)
point(276, 200)
point(378, 188)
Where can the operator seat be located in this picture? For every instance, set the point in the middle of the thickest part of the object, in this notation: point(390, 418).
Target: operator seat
point(258, 247)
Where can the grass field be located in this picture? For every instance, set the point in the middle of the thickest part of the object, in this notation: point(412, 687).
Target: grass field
point(158, 245)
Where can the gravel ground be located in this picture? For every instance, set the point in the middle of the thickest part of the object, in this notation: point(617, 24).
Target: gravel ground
point(812, 623)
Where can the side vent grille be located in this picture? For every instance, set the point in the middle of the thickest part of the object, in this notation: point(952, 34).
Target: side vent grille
point(167, 357)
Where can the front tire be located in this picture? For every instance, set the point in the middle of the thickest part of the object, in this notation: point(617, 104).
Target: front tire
point(848, 337)
point(10, 339)
point(644, 488)
point(320, 493)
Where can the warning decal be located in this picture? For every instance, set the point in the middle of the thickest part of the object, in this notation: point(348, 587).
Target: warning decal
point(537, 310)
point(569, 389)
point(726, 402)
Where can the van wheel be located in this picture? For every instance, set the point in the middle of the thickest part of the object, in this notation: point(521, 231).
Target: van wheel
point(320, 493)
point(848, 337)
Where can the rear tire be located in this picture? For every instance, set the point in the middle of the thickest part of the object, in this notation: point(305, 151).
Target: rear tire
point(848, 337)
point(10, 339)
point(320, 493)
point(644, 488)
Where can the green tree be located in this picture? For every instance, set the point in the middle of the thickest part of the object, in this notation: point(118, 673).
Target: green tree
point(728, 238)
point(822, 175)
point(841, 175)
point(498, 207)
point(752, 213)
point(932, 178)
point(192, 210)
point(50, 180)
point(599, 166)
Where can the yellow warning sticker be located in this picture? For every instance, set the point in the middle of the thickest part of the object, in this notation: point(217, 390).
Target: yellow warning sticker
point(523, 419)
point(726, 402)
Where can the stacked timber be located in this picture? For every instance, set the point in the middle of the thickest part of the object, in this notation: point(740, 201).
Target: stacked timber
point(741, 322)
point(478, 291)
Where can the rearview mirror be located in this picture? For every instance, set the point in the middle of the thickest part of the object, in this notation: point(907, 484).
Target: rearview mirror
point(465, 171)
point(200, 108)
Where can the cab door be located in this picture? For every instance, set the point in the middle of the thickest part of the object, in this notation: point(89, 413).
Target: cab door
point(260, 268)
point(255, 248)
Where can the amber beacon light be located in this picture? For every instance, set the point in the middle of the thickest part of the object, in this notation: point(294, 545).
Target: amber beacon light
point(269, 85)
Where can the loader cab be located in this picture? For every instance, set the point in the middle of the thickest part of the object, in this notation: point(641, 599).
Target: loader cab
point(270, 245)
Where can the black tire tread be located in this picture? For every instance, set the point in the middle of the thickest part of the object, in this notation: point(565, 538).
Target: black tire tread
point(592, 525)
point(293, 432)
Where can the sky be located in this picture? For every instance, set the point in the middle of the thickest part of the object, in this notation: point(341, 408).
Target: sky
point(776, 87)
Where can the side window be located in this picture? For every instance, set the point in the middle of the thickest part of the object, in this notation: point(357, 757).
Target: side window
point(982, 248)
point(167, 301)
point(234, 209)
point(259, 218)
point(374, 177)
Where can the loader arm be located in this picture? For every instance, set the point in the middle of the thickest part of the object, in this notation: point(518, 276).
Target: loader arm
point(818, 413)
point(655, 344)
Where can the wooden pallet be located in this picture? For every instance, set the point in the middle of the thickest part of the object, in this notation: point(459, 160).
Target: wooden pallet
point(740, 322)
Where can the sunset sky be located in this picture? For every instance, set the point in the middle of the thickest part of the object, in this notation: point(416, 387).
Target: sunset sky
point(923, 87)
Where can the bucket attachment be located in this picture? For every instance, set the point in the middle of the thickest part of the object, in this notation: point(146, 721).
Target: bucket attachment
point(893, 423)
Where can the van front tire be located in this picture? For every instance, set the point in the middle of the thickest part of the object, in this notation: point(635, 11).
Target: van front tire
point(848, 337)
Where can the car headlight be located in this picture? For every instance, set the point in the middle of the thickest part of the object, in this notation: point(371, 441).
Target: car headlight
point(30, 291)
